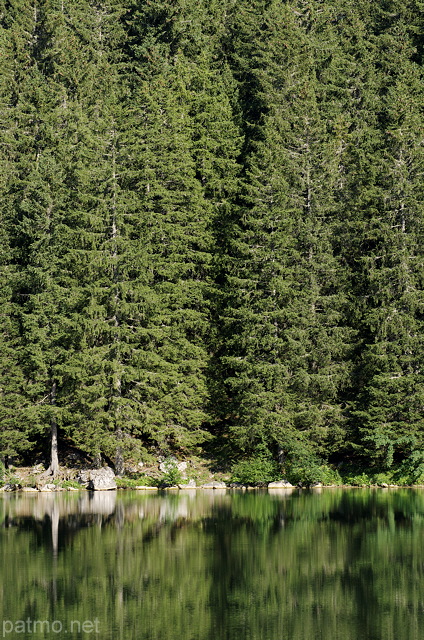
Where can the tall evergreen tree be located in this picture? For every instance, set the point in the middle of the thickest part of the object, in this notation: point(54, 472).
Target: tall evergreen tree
point(172, 364)
point(391, 398)
point(34, 202)
point(286, 351)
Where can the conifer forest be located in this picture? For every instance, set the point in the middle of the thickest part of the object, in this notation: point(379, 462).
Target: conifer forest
point(212, 230)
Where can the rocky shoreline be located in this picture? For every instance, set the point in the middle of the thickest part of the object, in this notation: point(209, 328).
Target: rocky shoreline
point(167, 475)
point(104, 480)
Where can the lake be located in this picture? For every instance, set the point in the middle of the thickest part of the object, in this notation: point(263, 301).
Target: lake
point(327, 564)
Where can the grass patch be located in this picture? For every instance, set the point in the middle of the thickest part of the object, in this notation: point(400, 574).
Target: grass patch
point(132, 483)
point(70, 484)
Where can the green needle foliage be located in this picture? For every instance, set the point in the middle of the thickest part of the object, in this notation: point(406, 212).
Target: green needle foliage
point(212, 228)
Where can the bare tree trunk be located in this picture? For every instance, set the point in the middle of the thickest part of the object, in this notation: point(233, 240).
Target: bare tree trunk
point(97, 460)
point(119, 458)
point(54, 457)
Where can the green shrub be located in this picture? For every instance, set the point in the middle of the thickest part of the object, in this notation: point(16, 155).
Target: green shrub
point(412, 468)
point(384, 477)
point(304, 472)
point(172, 475)
point(255, 471)
point(329, 476)
point(358, 480)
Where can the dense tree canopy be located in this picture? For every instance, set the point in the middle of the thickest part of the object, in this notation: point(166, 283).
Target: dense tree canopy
point(212, 229)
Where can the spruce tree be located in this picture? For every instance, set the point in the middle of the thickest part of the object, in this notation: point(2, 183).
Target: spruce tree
point(171, 391)
point(389, 408)
point(287, 339)
point(34, 203)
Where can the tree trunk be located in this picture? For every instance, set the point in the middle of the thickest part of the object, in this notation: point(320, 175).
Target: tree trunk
point(54, 458)
point(119, 458)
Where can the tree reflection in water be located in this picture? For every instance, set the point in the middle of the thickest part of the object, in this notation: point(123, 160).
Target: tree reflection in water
point(339, 564)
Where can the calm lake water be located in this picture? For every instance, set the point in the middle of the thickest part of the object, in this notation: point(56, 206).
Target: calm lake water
point(331, 564)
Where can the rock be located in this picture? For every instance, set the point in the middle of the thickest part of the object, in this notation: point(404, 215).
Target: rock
point(191, 484)
point(214, 485)
point(316, 485)
point(83, 477)
point(280, 484)
point(29, 489)
point(98, 479)
point(10, 487)
point(237, 485)
point(48, 487)
point(383, 485)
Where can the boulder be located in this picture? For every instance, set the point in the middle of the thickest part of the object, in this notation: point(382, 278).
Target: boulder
point(237, 485)
point(48, 487)
point(10, 487)
point(191, 484)
point(98, 479)
point(214, 485)
point(280, 484)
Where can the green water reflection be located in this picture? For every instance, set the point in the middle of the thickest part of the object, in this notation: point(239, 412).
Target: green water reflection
point(343, 565)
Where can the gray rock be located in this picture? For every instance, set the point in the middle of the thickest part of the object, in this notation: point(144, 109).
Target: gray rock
point(191, 484)
point(48, 487)
point(9, 487)
point(214, 485)
point(383, 485)
point(237, 485)
point(98, 479)
point(29, 489)
point(316, 485)
point(280, 484)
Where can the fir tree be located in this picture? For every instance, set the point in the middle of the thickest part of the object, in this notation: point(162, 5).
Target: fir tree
point(391, 399)
point(286, 341)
